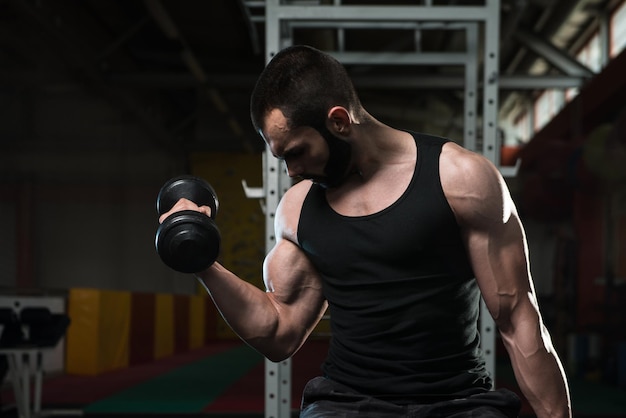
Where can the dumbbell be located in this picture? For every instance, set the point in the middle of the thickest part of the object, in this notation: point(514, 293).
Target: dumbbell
point(187, 241)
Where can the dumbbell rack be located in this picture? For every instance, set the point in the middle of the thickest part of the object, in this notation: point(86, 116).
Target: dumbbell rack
point(281, 18)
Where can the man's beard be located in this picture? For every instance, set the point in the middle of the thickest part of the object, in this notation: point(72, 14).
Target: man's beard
point(339, 156)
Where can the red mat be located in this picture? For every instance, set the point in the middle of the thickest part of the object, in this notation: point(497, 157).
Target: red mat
point(248, 394)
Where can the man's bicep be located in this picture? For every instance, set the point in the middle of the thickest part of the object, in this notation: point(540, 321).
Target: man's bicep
point(499, 258)
point(294, 283)
point(286, 266)
point(493, 235)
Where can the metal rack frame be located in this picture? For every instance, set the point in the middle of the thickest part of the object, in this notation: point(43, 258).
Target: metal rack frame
point(282, 18)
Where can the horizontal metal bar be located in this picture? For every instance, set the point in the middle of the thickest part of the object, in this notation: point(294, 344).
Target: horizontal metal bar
point(244, 81)
point(514, 82)
point(409, 82)
point(383, 13)
point(401, 58)
point(324, 24)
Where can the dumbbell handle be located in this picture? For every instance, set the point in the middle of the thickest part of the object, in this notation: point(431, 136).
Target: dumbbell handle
point(187, 187)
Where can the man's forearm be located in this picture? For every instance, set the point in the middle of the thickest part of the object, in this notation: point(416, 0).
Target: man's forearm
point(542, 380)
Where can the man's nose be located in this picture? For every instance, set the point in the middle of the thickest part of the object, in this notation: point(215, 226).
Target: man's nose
point(293, 170)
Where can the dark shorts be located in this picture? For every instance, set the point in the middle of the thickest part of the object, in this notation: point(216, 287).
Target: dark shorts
point(324, 398)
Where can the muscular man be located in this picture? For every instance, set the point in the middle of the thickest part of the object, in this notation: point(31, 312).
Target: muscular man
point(398, 233)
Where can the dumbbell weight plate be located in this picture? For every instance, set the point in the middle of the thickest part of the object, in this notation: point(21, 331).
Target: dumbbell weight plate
point(188, 242)
point(189, 187)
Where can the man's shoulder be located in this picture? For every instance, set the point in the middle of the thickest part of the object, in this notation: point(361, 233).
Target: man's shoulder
point(471, 183)
point(289, 208)
point(296, 194)
point(461, 164)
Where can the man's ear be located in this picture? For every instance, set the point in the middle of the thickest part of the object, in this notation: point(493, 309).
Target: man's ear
point(338, 121)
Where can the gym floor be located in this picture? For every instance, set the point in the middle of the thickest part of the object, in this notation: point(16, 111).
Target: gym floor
point(226, 379)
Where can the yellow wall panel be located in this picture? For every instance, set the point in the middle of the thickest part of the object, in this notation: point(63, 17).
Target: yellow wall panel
point(196, 321)
point(240, 220)
point(114, 329)
point(164, 325)
point(82, 338)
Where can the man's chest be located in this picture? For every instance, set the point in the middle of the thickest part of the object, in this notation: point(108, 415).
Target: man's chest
point(360, 197)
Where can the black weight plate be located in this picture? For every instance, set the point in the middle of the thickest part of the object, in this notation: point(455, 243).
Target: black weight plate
point(189, 187)
point(188, 241)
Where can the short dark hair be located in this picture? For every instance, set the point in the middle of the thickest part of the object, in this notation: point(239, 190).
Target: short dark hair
point(304, 83)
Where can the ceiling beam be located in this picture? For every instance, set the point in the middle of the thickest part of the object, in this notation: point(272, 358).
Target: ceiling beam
point(557, 57)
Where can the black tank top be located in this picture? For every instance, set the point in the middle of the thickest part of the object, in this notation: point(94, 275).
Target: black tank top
point(402, 296)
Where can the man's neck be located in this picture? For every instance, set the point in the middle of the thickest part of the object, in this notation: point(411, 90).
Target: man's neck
point(376, 145)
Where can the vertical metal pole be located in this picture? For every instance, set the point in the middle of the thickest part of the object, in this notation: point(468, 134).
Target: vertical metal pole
point(277, 375)
point(530, 111)
point(471, 87)
point(604, 35)
point(38, 382)
point(24, 367)
point(341, 35)
point(14, 359)
point(491, 150)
